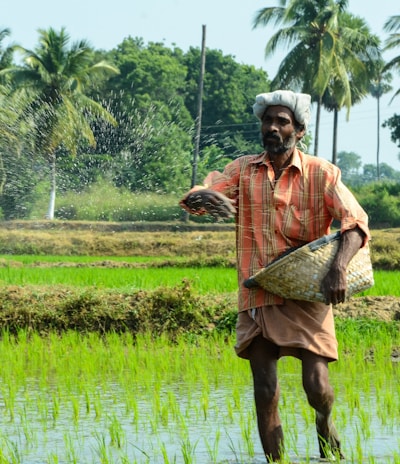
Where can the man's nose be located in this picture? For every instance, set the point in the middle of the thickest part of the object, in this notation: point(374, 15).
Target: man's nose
point(272, 127)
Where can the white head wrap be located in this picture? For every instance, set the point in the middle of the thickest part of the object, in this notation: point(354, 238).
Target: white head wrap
point(298, 103)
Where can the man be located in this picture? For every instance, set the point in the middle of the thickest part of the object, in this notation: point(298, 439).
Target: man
point(283, 198)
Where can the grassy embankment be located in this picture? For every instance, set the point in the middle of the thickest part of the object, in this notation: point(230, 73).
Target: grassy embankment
point(116, 276)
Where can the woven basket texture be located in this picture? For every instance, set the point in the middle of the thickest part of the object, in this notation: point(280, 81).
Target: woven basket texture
point(298, 275)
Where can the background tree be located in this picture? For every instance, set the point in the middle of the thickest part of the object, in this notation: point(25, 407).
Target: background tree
point(359, 55)
point(6, 53)
point(6, 130)
point(312, 27)
point(52, 83)
point(393, 124)
point(150, 147)
point(229, 90)
point(137, 100)
point(378, 87)
point(392, 25)
point(350, 164)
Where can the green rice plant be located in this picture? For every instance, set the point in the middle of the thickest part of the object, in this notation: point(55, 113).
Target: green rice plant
point(9, 452)
point(145, 458)
point(204, 401)
point(70, 449)
point(208, 280)
point(233, 448)
point(247, 426)
point(188, 375)
point(55, 406)
point(386, 283)
point(165, 456)
point(8, 394)
point(212, 449)
point(102, 450)
point(117, 434)
point(188, 449)
point(52, 458)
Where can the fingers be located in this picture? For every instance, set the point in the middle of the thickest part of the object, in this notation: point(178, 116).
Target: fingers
point(334, 286)
point(216, 204)
point(194, 201)
point(334, 296)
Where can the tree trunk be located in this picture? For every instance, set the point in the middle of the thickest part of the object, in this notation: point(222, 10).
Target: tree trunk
point(378, 173)
point(199, 108)
point(52, 201)
point(335, 133)
point(3, 174)
point(319, 104)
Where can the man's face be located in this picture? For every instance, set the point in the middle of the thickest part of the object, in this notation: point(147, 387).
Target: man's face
point(278, 130)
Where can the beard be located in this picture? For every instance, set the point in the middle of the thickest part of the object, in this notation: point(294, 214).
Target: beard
point(274, 145)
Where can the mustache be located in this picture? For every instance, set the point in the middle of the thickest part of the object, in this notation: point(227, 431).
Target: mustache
point(271, 135)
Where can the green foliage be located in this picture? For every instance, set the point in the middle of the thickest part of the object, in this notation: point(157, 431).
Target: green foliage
point(349, 163)
point(103, 201)
point(172, 311)
point(382, 202)
point(229, 91)
point(20, 190)
point(154, 102)
point(393, 124)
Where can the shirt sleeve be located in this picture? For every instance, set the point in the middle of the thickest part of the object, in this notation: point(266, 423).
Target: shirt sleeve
point(225, 182)
point(347, 210)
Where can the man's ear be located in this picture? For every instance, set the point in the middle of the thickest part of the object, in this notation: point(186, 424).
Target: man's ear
point(300, 133)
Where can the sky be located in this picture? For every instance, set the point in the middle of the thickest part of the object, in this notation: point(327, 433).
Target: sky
point(228, 28)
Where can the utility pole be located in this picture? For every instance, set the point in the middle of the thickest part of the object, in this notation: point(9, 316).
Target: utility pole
point(199, 108)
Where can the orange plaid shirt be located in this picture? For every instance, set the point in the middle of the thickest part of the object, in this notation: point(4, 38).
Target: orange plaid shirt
point(275, 216)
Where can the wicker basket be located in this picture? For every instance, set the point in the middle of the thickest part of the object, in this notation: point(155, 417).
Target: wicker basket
point(298, 273)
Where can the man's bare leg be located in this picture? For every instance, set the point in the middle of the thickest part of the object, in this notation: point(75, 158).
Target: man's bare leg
point(321, 397)
point(263, 362)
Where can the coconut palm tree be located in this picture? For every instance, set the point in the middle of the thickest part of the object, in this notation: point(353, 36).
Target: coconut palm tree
point(378, 87)
point(6, 53)
point(392, 25)
point(359, 56)
point(311, 26)
point(53, 80)
point(7, 133)
point(330, 49)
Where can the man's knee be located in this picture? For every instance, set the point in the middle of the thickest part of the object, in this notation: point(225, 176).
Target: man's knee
point(265, 387)
point(316, 380)
point(263, 362)
point(319, 392)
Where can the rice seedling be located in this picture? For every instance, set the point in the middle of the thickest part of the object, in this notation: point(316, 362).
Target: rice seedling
point(213, 280)
point(212, 449)
point(113, 398)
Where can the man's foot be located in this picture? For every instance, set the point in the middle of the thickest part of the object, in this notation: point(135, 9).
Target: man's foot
point(328, 439)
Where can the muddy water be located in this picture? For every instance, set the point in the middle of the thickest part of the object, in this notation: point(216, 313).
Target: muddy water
point(182, 424)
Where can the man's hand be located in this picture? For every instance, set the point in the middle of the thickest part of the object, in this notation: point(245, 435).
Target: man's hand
point(215, 203)
point(334, 284)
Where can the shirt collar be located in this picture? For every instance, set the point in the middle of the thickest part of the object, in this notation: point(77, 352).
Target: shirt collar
point(296, 160)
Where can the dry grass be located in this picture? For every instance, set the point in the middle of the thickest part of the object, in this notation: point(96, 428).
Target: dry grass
point(110, 239)
point(189, 240)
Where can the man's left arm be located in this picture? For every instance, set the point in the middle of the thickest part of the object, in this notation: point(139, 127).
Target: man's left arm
point(334, 284)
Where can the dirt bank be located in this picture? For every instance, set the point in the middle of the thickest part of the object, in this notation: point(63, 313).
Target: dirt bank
point(385, 308)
